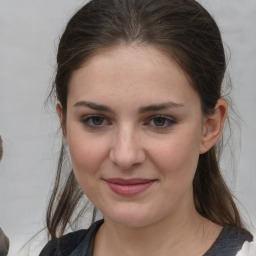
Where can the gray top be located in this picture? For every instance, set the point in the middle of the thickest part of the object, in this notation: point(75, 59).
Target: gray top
point(80, 243)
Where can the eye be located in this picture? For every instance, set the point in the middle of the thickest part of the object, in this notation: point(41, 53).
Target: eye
point(95, 121)
point(161, 122)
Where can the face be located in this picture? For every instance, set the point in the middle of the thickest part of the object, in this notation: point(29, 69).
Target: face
point(134, 130)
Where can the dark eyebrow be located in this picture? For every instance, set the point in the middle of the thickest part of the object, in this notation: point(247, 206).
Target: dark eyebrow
point(154, 107)
point(157, 107)
point(93, 106)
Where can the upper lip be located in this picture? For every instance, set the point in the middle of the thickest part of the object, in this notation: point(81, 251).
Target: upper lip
point(133, 181)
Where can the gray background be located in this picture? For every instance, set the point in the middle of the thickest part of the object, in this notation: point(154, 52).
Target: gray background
point(29, 32)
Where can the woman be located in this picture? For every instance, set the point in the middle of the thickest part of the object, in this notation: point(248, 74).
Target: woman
point(138, 85)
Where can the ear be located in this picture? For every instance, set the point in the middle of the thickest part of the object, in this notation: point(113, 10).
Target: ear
point(213, 125)
point(60, 114)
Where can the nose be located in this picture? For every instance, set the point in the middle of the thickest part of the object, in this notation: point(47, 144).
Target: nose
point(127, 150)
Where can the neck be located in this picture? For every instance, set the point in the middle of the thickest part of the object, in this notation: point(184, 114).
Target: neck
point(174, 235)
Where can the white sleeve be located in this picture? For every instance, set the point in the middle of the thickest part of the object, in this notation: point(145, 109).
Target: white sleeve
point(248, 249)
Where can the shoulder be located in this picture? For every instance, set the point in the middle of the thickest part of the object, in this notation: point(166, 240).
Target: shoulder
point(65, 245)
point(230, 241)
point(236, 234)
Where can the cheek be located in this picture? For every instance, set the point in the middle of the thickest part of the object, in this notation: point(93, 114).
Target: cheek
point(176, 163)
point(87, 153)
point(87, 158)
point(177, 157)
point(83, 157)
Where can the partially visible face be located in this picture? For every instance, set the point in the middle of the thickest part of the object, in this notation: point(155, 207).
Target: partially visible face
point(134, 130)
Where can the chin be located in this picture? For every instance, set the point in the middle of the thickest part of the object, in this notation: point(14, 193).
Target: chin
point(127, 217)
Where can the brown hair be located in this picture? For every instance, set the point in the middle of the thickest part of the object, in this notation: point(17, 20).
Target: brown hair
point(184, 30)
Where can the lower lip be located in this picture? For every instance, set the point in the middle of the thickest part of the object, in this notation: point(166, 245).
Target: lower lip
point(129, 190)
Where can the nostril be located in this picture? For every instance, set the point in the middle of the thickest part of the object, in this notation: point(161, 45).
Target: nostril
point(127, 158)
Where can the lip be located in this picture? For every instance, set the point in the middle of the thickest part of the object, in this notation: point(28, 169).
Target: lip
point(129, 187)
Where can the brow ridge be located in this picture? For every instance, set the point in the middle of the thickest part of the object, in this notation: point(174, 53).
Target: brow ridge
point(94, 106)
point(141, 110)
point(157, 107)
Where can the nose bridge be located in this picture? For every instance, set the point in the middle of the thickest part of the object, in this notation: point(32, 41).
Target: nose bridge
point(127, 150)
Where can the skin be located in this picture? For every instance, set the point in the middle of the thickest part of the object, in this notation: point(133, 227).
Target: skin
point(131, 113)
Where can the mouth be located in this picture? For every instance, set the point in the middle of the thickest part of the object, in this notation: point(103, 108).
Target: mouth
point(129, 187)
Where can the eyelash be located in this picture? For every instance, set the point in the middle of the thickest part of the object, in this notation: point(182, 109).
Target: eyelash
point(168, 121)
point(87, 121)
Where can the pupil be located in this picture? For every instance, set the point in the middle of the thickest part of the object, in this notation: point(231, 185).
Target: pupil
point(159, 121)
point(97, 120)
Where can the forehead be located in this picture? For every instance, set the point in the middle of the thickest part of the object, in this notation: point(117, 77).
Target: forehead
point(142, 72)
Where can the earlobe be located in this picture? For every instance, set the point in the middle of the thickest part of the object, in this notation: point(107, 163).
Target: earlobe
point(60, 114)
point(213, 125)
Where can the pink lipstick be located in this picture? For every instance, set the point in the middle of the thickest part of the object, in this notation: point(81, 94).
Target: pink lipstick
point(129, 187)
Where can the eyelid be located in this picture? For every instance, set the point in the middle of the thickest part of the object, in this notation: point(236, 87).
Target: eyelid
point(171, 121)
point(85, 120)
point(161, 116)
point(168, 120)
